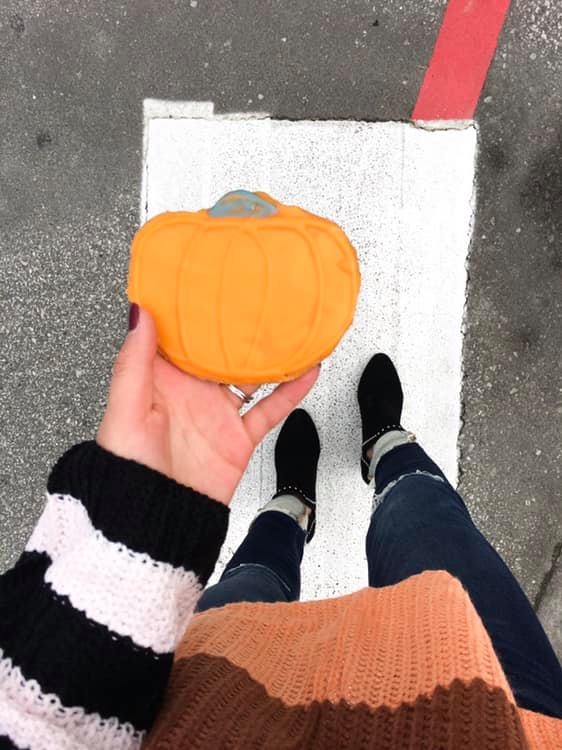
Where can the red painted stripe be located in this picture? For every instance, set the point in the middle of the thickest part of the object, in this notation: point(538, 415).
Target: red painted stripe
point(461, 58)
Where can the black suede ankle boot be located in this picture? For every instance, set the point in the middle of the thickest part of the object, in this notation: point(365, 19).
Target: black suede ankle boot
point(297, 451)
point(380, 401)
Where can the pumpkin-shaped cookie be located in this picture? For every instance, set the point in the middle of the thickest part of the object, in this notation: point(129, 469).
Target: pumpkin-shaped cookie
point(249, 291)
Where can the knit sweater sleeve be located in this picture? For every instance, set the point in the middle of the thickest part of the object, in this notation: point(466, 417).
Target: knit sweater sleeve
point(91, 613)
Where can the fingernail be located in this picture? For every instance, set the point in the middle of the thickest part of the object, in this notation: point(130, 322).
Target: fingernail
point(133, 316)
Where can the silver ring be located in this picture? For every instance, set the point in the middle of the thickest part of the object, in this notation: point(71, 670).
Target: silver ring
point(238, 392)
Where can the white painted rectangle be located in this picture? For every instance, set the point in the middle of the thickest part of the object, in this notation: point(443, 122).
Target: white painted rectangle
point(404, 196)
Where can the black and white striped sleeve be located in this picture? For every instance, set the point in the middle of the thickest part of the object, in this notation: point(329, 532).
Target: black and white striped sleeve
point(93, 610)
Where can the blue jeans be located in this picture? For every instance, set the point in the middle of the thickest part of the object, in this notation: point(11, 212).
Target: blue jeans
point(421, 524)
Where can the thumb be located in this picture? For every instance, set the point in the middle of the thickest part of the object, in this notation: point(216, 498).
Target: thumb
point(130, 393)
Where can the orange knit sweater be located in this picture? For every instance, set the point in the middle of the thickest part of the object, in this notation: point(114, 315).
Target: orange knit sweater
point(405, 666)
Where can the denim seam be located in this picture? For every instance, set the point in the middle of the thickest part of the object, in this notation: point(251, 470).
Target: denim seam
point(258, 565)
point(378, 498)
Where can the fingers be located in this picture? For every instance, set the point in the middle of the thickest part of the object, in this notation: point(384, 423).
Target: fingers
point(130, 393)
point(268, 412)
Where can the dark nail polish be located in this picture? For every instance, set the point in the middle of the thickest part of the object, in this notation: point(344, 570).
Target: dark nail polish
point(133, 316)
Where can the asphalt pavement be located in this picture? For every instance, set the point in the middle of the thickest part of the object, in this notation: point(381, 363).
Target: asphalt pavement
point(72, 82)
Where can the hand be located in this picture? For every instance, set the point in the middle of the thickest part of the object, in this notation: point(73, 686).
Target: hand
point(184, 427)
